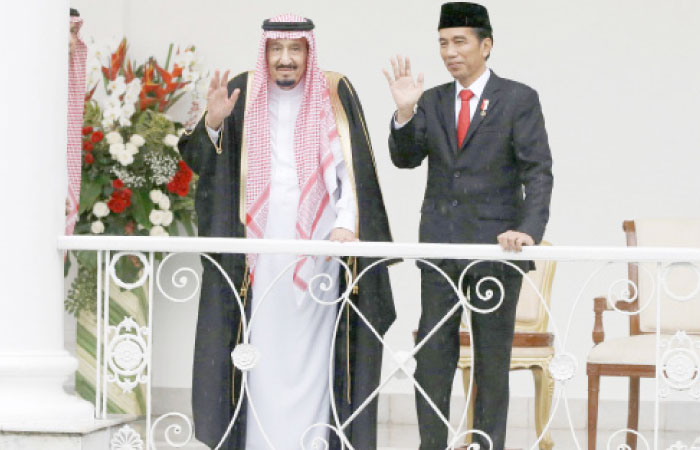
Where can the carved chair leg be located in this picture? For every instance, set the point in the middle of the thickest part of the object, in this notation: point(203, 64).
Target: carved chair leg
point(544, 390)
point(633, 412)
point(593, 389)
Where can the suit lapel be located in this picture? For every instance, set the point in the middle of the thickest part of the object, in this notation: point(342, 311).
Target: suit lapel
point(447, 110)
point(491, 94)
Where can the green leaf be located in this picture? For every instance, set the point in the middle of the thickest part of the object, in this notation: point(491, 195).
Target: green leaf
point(67, 263)
point(87, 259)
point(141, 206)
point(89, 193)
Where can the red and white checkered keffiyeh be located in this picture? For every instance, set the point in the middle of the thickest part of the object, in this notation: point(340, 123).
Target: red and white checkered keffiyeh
point(314, 132)
point(76, 106)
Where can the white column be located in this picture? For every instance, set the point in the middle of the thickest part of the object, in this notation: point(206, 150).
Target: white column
point(33, 362)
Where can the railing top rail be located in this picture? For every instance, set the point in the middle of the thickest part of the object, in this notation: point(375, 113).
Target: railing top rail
point(376, 249)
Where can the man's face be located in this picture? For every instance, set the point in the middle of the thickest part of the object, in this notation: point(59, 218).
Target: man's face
point(463, 54)
point(286, 61)
point(73, 39)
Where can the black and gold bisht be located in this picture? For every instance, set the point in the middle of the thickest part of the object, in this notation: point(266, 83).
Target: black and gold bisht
point(357, 366)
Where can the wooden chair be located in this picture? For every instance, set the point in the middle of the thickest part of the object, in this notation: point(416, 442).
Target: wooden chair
point(532, 346)
point(634, 356)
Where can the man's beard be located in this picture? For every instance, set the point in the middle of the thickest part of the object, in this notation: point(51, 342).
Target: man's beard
point(285, 83)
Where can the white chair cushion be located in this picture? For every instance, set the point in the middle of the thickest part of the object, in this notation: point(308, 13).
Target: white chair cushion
point(681, 281)
point(528, 309)
point(636, 350)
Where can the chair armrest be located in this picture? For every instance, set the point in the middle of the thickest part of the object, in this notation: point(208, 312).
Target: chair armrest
point(626, 306)
point(600, 305)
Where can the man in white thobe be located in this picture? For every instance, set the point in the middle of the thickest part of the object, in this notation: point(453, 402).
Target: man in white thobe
point(298, 187)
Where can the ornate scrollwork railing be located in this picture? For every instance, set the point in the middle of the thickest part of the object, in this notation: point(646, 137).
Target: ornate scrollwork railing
point(127, 362)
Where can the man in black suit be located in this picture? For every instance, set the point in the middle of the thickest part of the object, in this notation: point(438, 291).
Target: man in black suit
point(489, 181)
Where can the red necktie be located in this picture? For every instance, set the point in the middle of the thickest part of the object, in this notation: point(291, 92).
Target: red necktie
point(464, 116)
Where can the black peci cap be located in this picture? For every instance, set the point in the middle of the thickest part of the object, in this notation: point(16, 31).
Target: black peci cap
point(464, 14)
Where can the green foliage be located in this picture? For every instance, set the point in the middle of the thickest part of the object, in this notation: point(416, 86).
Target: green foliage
point(83, 290)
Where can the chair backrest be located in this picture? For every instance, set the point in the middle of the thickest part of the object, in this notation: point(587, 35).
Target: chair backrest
point(678, 280)
point(531, 314)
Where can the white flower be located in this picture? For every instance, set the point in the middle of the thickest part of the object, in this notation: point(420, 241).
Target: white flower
point(185, 59)
point(97, 227)
point(100, 209)
point(202, 87)
point(131, 148)
point(170, 140)
point(125, 114)
point(137, 140)
point(156, 217)
point(124, 121)
point(128, 110)
point(156, 195)
point(93, 74)
point(125, 158)
point(133, 89)
point(107, 123)
point(116, 149)
point(164, 203)
point(117, 87)
point(166, 217)
point(158, 231)
point(113, 102)
point(112, 109)
point(113, 137)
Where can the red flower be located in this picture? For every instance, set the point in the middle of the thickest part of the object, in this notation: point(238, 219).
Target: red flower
point(87, 146)
point(180, 184)
point(87, 130)
point(96, 137)
point(117, 205)
point(89, 159)
point(121, 198)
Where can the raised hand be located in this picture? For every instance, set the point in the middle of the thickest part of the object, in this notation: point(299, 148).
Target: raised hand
point(405, 91)
point(219, 104)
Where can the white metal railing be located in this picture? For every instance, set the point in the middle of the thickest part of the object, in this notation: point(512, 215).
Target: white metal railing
point(132, 343)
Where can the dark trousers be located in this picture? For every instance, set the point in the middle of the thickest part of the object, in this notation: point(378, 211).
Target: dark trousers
point(492, 338)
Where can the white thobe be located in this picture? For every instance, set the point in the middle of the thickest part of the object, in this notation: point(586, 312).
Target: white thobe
point(288, 390)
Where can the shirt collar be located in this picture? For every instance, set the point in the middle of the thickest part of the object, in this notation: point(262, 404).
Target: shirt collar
point(477, 87)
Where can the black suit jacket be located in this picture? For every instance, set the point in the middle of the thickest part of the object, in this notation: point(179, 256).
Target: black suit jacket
point(501, 177)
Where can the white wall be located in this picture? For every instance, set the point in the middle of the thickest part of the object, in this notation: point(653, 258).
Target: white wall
point(618, 82)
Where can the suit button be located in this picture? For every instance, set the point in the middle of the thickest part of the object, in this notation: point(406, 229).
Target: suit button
point(455, 202)
point(458, 174)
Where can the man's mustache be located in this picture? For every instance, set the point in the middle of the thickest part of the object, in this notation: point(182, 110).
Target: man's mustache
point(286, 66)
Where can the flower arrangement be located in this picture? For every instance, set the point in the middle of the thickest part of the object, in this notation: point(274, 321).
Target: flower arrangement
point(134, 181)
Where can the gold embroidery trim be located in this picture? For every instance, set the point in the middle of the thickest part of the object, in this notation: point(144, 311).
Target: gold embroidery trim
point(371, 153)
point(244, 153)
point(217, 146)
point(343, 127)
